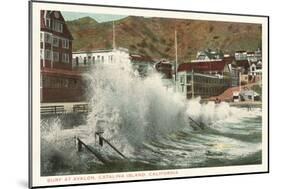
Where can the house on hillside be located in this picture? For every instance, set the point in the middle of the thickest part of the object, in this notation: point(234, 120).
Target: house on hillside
point(59, 83)
point(248, 65)
point(208, 55)
point(240, 55)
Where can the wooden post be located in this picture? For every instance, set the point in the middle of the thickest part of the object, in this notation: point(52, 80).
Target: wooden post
point(79, 145)
point(96, 154)
point(101, 140)
point(192, 84)
point(113, 147)
point(176, 56)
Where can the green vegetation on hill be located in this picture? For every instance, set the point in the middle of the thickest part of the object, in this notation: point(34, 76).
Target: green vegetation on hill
point(154, 37)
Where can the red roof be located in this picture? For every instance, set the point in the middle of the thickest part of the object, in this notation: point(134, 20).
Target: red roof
point(60, 72)
point(203, 66)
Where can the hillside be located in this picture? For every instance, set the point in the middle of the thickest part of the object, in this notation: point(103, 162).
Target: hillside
point(154, 37)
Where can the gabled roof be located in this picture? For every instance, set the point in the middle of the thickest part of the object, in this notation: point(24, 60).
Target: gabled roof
point(251, 52)
point(54, 15)
point(242, 51)
point(203, 66)
point(140, 58)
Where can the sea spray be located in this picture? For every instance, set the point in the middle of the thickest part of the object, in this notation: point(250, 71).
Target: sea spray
point(151, 125)
point(58, 148)
point(131, 110)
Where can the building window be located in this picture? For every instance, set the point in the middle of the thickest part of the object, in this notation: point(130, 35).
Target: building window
point(48, 22)
point(48, 38)
point(89, 59)
point(94, 59)
point(56, 56)
point(65, 43)
point(47, 54)
point(41, 54)
point(85, 60)
point(57, 26)
point(111, 58)
point(182, 79)
point(102, 59)
point(55, 41)
point(64, 83)
point(41, 36)
point(65, 57)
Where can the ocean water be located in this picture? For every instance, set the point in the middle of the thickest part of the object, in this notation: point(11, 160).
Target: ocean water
point(155, 128)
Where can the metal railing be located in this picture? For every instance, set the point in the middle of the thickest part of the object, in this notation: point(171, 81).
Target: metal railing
point(52, 109)
point(81, 108)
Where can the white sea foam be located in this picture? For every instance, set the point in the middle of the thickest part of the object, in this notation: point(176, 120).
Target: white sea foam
point(130, 109)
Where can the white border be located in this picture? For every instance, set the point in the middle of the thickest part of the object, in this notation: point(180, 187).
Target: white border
point(37, 180)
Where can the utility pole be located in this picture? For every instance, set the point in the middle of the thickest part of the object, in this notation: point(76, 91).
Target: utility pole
point(192, 84)
point(113, 36)
point(239, 75)
point(176, 55)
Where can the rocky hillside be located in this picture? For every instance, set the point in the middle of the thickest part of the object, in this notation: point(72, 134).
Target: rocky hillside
point(154, 37)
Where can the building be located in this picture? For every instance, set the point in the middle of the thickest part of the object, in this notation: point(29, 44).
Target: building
point(208, 55)
point(240, 55)
point(203, 79)
point(59, 83)
point(249, 95)
point(165, 68)
point(143, 64)
point(249, 65)
point(254, 56)
point(83, 59)
point(56, 41)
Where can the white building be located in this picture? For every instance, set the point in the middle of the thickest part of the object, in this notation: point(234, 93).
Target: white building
point(208, 55)
point(86, 58)
point(240, 55)
point(256, 68)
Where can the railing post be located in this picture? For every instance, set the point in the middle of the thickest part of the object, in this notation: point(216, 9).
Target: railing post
point(79, 145)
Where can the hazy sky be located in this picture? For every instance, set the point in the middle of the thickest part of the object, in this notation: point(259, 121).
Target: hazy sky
point(98, 17)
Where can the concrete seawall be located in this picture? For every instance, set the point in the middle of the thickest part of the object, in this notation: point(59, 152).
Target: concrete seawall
point(247, 104)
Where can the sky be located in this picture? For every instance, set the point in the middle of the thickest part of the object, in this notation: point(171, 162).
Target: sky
point(98, 17)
